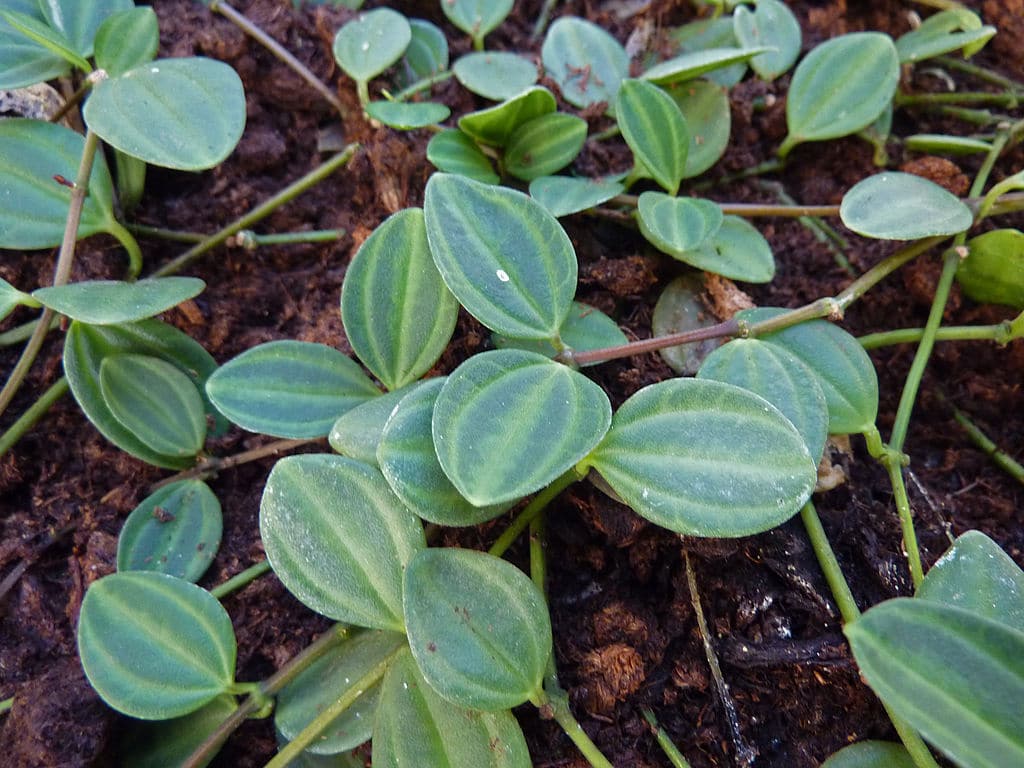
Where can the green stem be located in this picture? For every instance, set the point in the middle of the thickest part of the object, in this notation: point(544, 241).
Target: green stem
point(250, 241)
point(986, 75)
point(532, 510)
point(542, 19)
point(240, 580)
point(36, 411)
point(363, 92)
point(131, 245)
point(6, 705)
point(980, 439)
point(22, 333)
point(423, 84)
point(671, 750)
point(556, 702)
point(1001, 333)
point(1008, 100)
point(214, 465)
point(829, 564)
point(893, 462)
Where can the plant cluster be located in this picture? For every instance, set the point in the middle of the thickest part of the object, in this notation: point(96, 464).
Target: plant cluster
point(435, 646)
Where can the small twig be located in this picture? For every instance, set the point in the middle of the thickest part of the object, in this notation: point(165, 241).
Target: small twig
point(212, 466)
point(988, 446)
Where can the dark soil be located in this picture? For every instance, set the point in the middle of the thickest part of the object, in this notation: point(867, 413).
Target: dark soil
point(625, 631)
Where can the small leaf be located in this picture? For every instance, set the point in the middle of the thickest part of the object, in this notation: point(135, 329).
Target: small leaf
point(944, 32)
point(79, 20)
point(496, 124)
point(871, 754)
point(737, 251)
point(416, 727)
point(371, 43)
point(587, 63)
point(956, 677)
point(678, 309)
point(708, 34)
point(506, 259)
point(495, 75)
point(160, 743)
point(406, 115)
point(153, 646)
point(11, 297)
point(902, 206)
point(565, 195)
point(993, 271)
point(357, 432)
point(127, 39)
point(705, 458)
point(585, 328)
point(398, 313)
point(655, 131)
point(476, 17)
point(426, 54)
point(452, 151)
point(175, 530)
point(705, 107)
point(106, 302)
point(773, 25)
point(470, 653)
point(544, 145)
point(508, 422)
point(409, 463)
point(676, 225)
point(940, 144)
point(338, 538)
point(324, 681)
point(184, 113)
point(289, 388)
point(687, 66)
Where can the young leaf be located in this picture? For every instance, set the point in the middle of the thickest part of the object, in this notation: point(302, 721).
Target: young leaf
point(902, 206)
point(153, 646)
point(509, 422)
point(416, 727)
point(706, 35)
point(993, 271)
point(584, 328)
point(953, 675)
point(496, 124)
point(476, 17)
point(175, 530)
point(676, 225)
point(185, 113)
point(687, 66)
point(338, 538)
point(79, 20)
point(565, 195)
point(506, 259)
point(871, 754)
point(289, 388)
point(106, 302)
point(470, 653)
point(840, 87)
point(407, 116)
point(705, 458)
point(398, 313)
point(495, 75)
point(737, 251)
point(655, 131)
point(452, 151)
point(426, 54)
point(324, 681)
point(409, 463)
point(357, 432)
point(944, 32)
point(161, 743)
point(773, 25)
point(24, 62)
point(127, 39)
point(11, 297)
point(705, 107)
point(156, 402)
point(371, 43)
point(544, 145)
point(587, 63)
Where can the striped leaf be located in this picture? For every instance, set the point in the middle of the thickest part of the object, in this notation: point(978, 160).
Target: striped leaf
point(544, 145)
point(105, 302)
point(677, 225)
point(496, 124)
point(655, 130)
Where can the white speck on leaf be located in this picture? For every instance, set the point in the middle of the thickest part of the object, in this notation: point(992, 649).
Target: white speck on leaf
point(502, 275)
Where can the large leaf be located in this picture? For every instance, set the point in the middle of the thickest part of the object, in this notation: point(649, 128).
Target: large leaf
point(705, 459)
point(153, 646)
point(902, 206)
point(184, 113)
point(105, 302)
point(478, 628)
point(127, 39)
point(476, 17)
point(416, 727)
point(506, 259)
point(495, 75)
point(773, 25)
point(397, 311)
point(495, 125)
point(371, 43)
point(508, 422)
point(677, 225)
point(871, 754)
point(338, 538)
point(32, 154)
point(955, 676)
point(289, 388)
point(22, 61)
point(588, 64)
point(544, 145)
point(994, 268)
point(737, 250)
point(655, 131)
point(79, 20)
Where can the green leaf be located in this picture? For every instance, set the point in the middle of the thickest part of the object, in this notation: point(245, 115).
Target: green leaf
point(773, 25)
point(944, 32)
point(495, 75)
point(175, 530)
point(426, 54)
point(705, 458)
point(496, 124)
point(902, 206)
point(544, 145)
point(416, 727)
point(678, 309)
point(127, 39)
point(324, 681)
point(357, 432)
point(11, 297)
point(509, 422)
point(85, 348)
point(79, 20)
point(677, 225)
point(779, 377)
point(407, 116)
point(737, 251)
point(584, 328)
point(338, 538)
point(871, 754)
point(705, 108)
point(940, 144)
point(565, 195)
point(476, 17)
point(587, 63)
point(398, 313)
point(977, 575)
point(106, 302)
point(49, 37)
point(156, 402)
point(843, 368)
point(162, 743)
point(655, 131)
point(841, 87)
point(153, 646)
point(687, 66)
point(470, 653)
point(35, 209)
point(708, 34)
point(289, 388)
point(506, 259)
point(956, 677)
point(453, 151)
point(409, 463)
point(22, 61)
point(993, 271)
point(371, 43)
point(186, 114)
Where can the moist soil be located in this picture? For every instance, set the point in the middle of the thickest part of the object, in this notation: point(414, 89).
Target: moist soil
point(626, 636)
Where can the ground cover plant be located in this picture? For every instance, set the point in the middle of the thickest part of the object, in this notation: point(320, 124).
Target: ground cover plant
point(473, 396)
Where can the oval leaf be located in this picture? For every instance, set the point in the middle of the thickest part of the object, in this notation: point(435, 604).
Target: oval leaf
point(493, 75)
point(773, 25)
point(705, 458)
point(476, 17)
point(153, 646)
point(407, 116)
point(705, 107)
point(565, 195)
point(371, 43)
point(871, 754)
point(508, 422)
point(452, 151)
point(105, 302)
point(496, 124)
point(677, 225)
point(588, 64)
point(902, 206)
point(678, 309)
point(737, 251)
point(127, 39)
point(338, 538)
point(584, 328)
point(993, 271)
point(470, 653)
point(655, 131)
point(357, 432)
point(426, 54)
point(544, 145)
point(506, 259)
